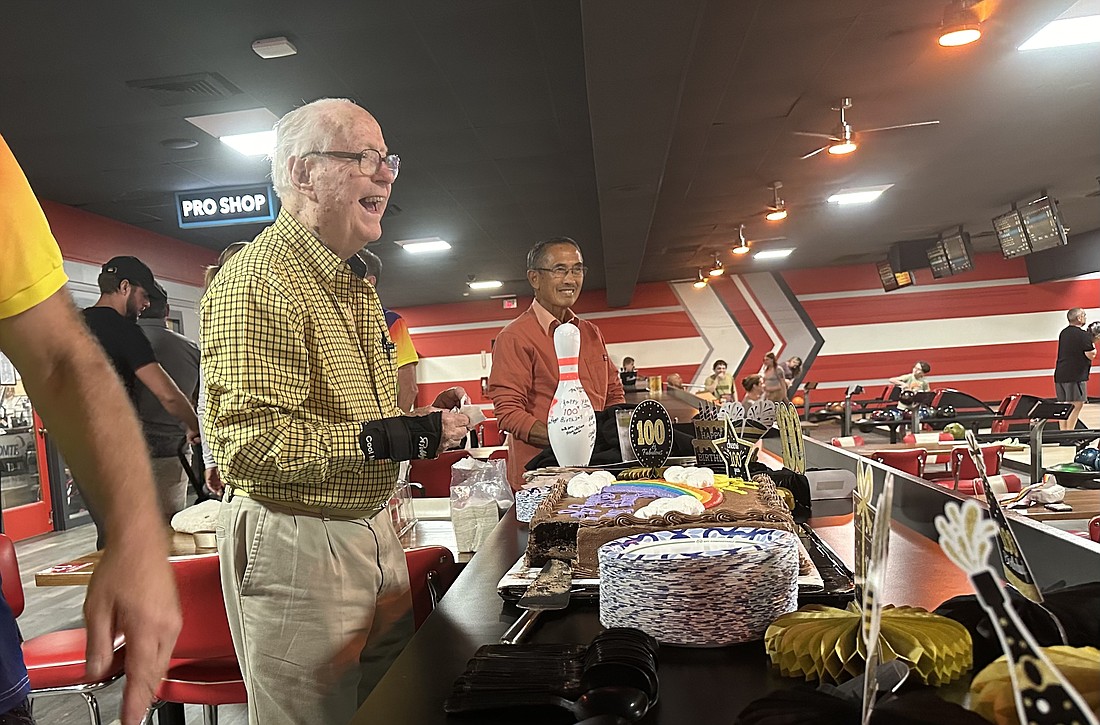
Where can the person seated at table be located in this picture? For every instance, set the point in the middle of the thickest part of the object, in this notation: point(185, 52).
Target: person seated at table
point(675, 381)
point(753, 386)
point(720, 384)
point(915, 380)
point(775, 383)
point(628, 375)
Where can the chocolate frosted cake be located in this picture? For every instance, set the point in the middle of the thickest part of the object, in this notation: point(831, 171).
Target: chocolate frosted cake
point(573, 527)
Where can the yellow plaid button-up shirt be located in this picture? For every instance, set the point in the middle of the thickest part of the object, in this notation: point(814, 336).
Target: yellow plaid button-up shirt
point(296, 355)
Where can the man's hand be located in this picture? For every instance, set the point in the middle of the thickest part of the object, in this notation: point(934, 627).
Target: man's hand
point(451, 398)
point(455, 427)
point(214, 483)
point(133, 594)
point(194, 437)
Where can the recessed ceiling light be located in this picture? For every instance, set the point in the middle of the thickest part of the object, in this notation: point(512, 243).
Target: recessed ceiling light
point(250, 131)
point(274, 47)
point(258, 143)
point(430, 244)
point(860, 195)
point(773, 253)
point(1065, 31)
point(486, 284)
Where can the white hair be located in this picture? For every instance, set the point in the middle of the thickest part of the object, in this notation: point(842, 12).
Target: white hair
point(306, 128)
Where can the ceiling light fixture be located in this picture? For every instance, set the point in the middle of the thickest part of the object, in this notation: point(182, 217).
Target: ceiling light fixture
point(278, 47)
point(179, 144)
point(249, 132)
point(961, 24)
point(773, 253)
point(486, 284)
point(860, 195)
point(1065, 31)
point(429, 244)
point(700, 281)
point(717, 270)
point(778, 210)
point(742, 246)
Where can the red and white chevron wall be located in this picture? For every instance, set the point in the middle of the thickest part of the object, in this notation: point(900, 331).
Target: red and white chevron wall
point(987, 332)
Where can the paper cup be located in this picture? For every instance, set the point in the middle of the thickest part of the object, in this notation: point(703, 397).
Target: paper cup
point(205, 540)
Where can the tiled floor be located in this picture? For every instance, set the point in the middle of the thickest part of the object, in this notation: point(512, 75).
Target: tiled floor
point(53, 608)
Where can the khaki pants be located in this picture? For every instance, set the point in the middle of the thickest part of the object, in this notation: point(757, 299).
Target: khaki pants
point(318, 608)
point(171, 484)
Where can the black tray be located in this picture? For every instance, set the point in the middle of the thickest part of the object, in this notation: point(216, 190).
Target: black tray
point(1076, 479)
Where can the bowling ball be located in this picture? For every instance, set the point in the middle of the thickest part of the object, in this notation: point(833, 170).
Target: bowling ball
point(835, 407)
point(798, 400)
point(902, 414)
point(927, 411)
point(882, 414)
point(907, 397)
point(956, 430)
point(946, 411)
point(1087, 457)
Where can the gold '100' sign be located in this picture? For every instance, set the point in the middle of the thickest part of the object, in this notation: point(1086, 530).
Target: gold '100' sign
point(651, 432)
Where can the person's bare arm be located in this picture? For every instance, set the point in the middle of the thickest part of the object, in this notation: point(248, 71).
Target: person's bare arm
point(79, 396)
point(1091, 354)
point(171, 397)
point(406, 387)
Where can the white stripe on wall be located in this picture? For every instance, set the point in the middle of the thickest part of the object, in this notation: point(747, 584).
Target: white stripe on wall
point(915, 289)
point(951, 332)
point(497, 324)
point(962, 377)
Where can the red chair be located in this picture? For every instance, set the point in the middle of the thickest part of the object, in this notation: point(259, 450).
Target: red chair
point(433, 475)
point(488, 433)
point(963, 470)
point(203, 669)
point(935, 437)
point(1005, 483)
point(432, 569)
point(847, 441)
point(55, 661)
point(909, 460)
point(499, 454)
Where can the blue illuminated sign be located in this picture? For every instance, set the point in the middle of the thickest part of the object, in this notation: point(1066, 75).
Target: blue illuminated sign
point(226, 205)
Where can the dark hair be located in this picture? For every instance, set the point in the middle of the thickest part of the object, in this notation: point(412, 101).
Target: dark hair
point(723, 363)
point(108, 282)
point(794, 364)
point(924, 366)
point(374, 264)
point(538, 252)
point(751, 381)
point(770, 356)
point(225, 256)
point(628, 361)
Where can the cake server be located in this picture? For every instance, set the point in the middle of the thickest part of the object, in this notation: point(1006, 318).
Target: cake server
point(549, 591)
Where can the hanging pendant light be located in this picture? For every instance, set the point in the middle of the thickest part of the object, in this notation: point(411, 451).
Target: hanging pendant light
point(700, 282)
point(742, 246)
point(778, 210)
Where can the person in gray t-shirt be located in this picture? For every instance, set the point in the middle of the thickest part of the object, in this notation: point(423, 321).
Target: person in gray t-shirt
point(164, 434)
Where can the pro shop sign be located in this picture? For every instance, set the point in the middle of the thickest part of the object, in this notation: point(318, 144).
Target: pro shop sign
point(224, 206)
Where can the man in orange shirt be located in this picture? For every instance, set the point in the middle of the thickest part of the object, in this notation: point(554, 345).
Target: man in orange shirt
point(525, 366)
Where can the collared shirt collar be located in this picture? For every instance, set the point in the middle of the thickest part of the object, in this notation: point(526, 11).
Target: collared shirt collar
point(546, 320)
point(321, 261)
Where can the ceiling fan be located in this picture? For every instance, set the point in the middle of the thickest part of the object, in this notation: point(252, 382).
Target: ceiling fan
point(843, 138)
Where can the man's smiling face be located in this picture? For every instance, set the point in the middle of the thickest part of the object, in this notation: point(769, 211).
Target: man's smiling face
point(552, 292)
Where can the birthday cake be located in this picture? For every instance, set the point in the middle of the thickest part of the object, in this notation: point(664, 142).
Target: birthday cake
point(583, 511)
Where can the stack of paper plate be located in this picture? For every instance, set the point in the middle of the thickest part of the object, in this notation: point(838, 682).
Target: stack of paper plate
point(528, 499)
point(706, 587)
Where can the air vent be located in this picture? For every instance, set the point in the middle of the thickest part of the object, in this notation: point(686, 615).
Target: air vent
point(181, 90)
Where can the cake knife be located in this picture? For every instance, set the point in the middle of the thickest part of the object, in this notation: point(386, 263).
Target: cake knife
point(549, 591)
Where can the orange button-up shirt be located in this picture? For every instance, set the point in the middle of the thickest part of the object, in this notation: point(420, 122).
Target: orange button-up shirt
point(525, 375)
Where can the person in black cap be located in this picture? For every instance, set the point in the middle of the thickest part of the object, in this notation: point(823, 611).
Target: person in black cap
point(125, 284)
point(164, 433)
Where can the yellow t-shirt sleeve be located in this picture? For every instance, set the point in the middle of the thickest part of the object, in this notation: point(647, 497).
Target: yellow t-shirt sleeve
point(30, 261)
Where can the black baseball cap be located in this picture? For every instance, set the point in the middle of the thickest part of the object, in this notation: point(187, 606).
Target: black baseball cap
point(134, 271)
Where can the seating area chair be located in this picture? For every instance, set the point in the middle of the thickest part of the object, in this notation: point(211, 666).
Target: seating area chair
point(488, 433)
point(431, 477)
point(920, 439)
point(847, 441)
point(909, 460)
point(499, 454)
point(203, 669)
point(55, 661)
point(432, 570)
point(964, 472)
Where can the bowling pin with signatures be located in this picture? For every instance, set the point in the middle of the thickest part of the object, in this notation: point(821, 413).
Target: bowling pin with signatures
point(571, 424)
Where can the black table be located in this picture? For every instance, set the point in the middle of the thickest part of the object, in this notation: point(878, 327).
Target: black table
point(697, 685)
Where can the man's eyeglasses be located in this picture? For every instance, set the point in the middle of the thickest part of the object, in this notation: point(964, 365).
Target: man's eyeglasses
point(560, 271)
point(369, 160)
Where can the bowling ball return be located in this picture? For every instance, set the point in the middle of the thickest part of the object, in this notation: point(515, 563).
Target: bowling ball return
point(1075, 477)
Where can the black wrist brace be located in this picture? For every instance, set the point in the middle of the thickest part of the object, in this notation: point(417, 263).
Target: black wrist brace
point(404, 438)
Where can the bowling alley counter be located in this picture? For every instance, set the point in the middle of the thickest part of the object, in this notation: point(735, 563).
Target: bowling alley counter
point(697, 685)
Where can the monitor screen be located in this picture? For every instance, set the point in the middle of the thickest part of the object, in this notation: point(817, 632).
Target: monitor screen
point(959, 255)
point(937, 260)
point(892, 280)
point(1044, 228)
point(1011, 235)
